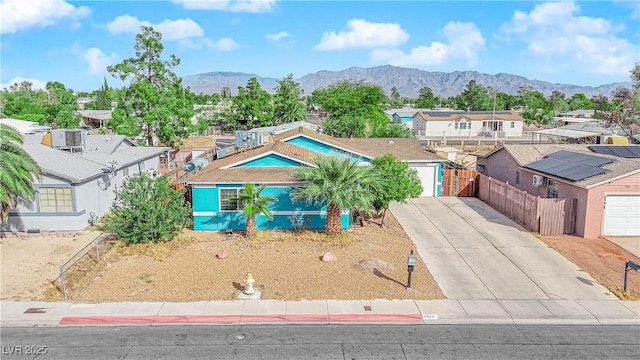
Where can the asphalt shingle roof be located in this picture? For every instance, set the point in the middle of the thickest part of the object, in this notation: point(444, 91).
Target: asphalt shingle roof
point(217, 171)
point(81, 166)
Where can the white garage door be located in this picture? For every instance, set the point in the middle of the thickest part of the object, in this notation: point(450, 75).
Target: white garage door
point(622, 215)
point(427, 175)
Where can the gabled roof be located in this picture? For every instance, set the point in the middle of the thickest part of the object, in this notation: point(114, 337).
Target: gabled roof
point(226, 168)
point(281, 148)
point(472, 115)
point(404, 111)
point(97, 114)
point(405, 149)
point(284, 127)
point(580, 130)
point(90, 163)
point(525, 154)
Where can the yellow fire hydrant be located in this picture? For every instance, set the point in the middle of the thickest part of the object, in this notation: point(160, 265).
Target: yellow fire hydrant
point(249, 280)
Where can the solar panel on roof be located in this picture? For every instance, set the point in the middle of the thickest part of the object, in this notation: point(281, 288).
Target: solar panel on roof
point(570, 170)
point(580, 158)
point(623, 151)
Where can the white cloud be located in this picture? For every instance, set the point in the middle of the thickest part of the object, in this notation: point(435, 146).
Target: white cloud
point(554, 32)
point(277, 36)
point(16, 15)
point(223, 44)
point(171, 29)
point(363, 34)
point(464, 40)
point(248, 6)
point(37, 83)
point(98, 61)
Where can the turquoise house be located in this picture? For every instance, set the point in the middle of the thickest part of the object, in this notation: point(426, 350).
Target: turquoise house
point(274, 164)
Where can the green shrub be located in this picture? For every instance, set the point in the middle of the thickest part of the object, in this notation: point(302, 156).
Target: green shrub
point(148, 210)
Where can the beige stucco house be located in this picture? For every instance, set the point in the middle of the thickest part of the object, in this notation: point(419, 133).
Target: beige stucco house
point(606, 185)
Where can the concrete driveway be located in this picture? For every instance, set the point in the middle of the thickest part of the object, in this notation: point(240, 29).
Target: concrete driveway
point(474, 252)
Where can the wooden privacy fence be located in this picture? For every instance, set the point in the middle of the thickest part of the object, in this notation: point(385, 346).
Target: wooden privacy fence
point(536, 214)
point(461, 183)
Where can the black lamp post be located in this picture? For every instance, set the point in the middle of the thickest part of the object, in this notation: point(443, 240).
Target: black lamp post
point(630, 265)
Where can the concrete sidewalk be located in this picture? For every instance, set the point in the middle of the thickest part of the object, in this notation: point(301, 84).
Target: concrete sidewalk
point(549, 311)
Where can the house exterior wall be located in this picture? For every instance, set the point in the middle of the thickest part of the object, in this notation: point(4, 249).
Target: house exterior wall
point(208, 216)
point(500, 166)
point(93, 196)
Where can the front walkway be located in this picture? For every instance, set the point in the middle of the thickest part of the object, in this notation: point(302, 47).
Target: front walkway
point(474, 252)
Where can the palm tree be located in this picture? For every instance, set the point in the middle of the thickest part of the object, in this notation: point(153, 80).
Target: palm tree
point(17, 171)
point(340, 183)
point(253, 204)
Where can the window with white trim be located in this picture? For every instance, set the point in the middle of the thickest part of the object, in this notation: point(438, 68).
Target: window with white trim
point(552, 189)
point(513, 124)
point(225, 203)
point(462, 125)
point(55, 199)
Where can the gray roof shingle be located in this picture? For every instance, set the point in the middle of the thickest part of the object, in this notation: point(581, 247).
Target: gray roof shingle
point(402, 148)
point(79, 167)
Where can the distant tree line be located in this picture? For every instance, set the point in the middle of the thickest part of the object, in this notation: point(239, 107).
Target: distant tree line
point(155, 108)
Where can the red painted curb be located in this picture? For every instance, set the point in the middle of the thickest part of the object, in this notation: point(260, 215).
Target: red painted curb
point(177, 319)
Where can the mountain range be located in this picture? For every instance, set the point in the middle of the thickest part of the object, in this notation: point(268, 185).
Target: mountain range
point(408, 81)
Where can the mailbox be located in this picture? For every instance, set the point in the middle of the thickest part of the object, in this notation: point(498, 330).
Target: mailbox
point(411, 261)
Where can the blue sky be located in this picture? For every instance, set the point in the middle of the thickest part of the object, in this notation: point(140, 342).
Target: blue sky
point(583, 43)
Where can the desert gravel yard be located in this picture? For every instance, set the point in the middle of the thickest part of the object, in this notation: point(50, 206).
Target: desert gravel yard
point(30, 264)
point(285, 266)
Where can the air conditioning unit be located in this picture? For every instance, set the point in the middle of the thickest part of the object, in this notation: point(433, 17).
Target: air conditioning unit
point(68, 138)
point(539, 180)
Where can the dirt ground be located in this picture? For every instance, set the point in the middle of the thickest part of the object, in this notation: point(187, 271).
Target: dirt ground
point(285, 267)
point(602, 259)
point(29, 265)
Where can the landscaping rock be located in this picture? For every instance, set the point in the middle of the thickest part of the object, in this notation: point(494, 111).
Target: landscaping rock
point(328, 256)
point(221, 254)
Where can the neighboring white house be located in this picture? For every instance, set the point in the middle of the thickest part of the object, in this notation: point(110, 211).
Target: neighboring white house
point(80, 174)
point(25, 127)
point(497, 124)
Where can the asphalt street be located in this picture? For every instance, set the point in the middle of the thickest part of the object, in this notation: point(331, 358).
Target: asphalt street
point(324, 342)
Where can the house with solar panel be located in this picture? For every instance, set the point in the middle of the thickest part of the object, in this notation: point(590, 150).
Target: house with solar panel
point(272, 158)
point(604, 180)
point(80, 174)
point(493, 124)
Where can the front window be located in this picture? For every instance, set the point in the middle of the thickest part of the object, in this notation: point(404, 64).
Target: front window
point(513, 124)
point(552, 189)
point(55, 200)
point(225, 203)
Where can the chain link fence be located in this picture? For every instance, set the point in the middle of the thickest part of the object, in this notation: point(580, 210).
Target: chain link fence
point(83, 262)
